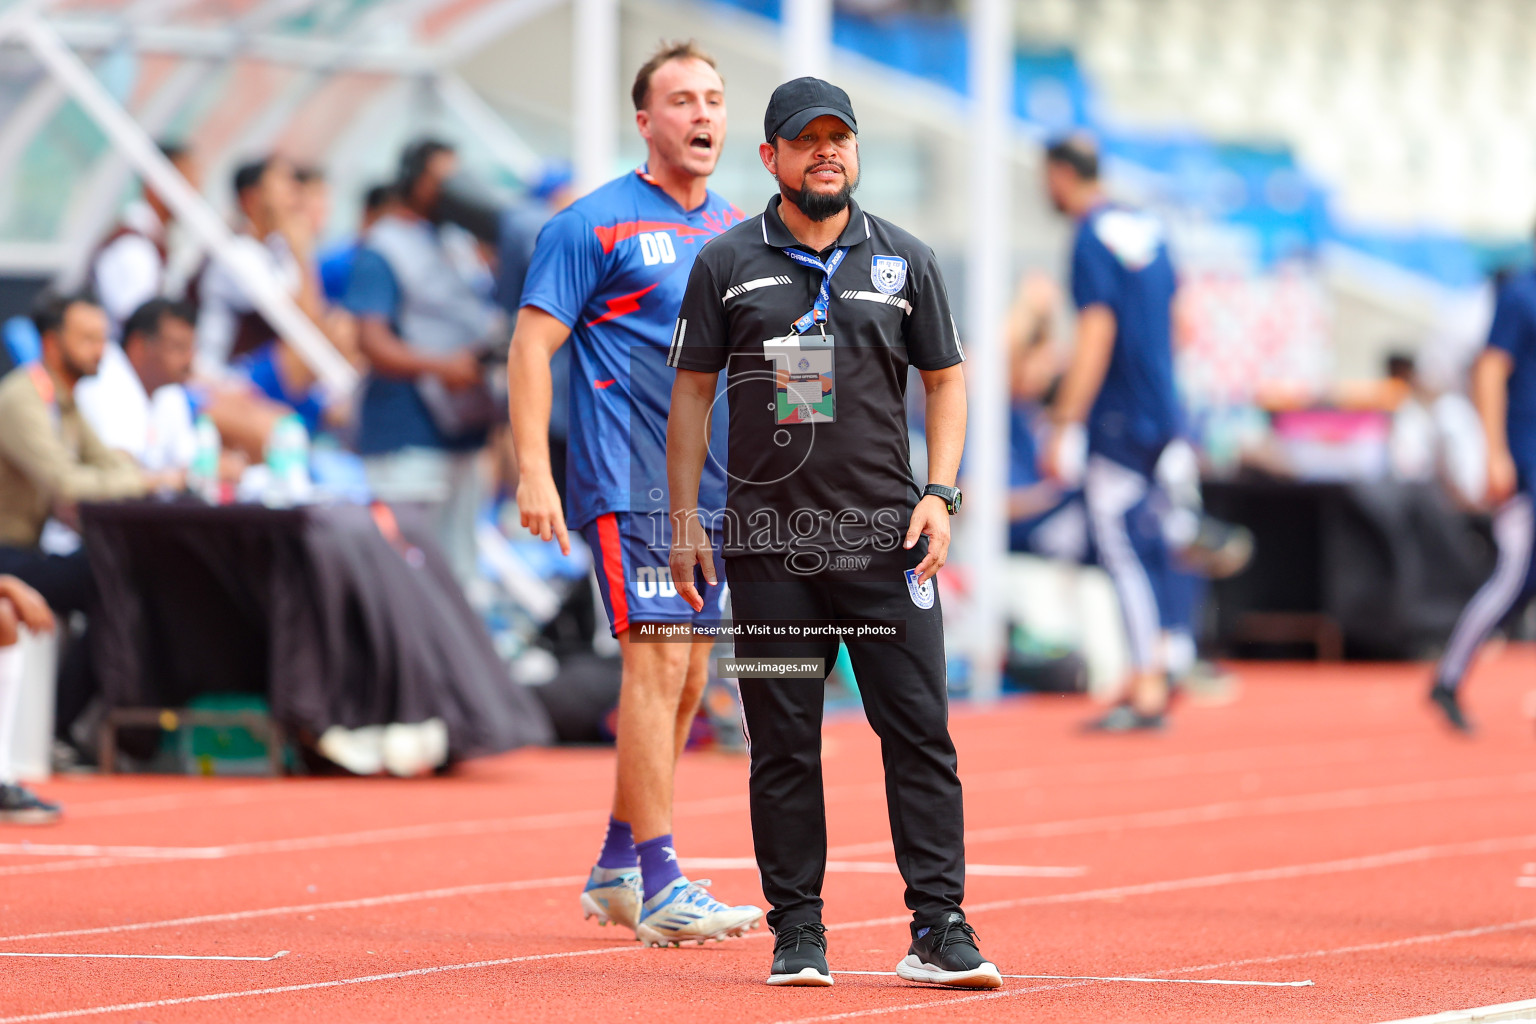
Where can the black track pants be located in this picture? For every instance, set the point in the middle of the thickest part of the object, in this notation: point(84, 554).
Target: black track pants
point(905, 698)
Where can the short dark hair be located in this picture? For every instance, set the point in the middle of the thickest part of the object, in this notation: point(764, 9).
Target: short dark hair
point(248, 175)
point(686, 49)
point(378, 197)
point(49, 309)
point(1400, 365)
point(306, 174)
point(145, 321)
point(413, 162)
point(1076, 152)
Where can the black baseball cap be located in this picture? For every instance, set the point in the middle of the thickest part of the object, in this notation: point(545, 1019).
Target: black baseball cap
point(796, 104)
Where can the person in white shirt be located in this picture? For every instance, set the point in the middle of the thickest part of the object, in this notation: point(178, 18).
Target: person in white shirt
point(129, 266)
point(276, 234)
point(147, 411)
point(127, 271)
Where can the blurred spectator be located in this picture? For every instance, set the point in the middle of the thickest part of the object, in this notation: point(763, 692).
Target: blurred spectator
point(235, 342)
point(50, 460)
point(1044, 517)
point(128, 270)
point(336, 262)
point(314, 199)
point(20, 605)
point(274, 233)
point(1412, 442)
point(129, 266)
point(151, 412)
point(424, 322)
point(1435, 437)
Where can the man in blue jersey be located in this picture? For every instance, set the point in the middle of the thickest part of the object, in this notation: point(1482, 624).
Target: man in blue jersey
point(1119, 392)
point(1504, 391)
point(609, 272)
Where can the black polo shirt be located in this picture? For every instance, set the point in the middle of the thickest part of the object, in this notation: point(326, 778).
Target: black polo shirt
point(818, 454)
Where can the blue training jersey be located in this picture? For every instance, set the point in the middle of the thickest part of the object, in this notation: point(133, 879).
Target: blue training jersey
point(1120, 260)
point(1514, 331)
point(613, 267)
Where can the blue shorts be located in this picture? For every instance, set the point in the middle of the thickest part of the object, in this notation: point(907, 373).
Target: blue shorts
point(629, 552)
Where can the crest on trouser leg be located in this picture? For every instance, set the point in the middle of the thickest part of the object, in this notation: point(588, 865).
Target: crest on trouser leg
point(922, 593)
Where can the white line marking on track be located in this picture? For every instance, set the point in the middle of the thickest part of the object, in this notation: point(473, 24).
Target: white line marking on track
point(1364, 947)
point(881, 867)
point(1525, 1009)
point(88, 850)
point(202, 800)
point(143, 956)
point(214, 997)
point(1460, 933)
point(1526, 882)
point(1393, 858)
point(219, 996)
point(51, 866)
point(1160, 981)
point(1166, 766)
point(1415, 855)
point(112, 855)
point(1339, 799)
point(310, 908)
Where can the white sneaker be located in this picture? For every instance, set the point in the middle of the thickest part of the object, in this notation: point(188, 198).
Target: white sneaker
point(685, 910)
point(612, 896)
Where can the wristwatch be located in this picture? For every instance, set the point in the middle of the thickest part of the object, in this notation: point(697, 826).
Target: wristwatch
point(949, 495)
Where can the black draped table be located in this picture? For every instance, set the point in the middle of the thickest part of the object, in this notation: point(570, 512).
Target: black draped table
point(1369, 570)
point(315, 609)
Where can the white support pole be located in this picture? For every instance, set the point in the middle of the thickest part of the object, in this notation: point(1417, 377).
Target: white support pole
point(987, 273)
point(806, 38)
point(459, 97)
point(335, 373)
point(594, 90)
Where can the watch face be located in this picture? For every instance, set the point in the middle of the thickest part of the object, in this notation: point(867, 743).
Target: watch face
point(954, 505)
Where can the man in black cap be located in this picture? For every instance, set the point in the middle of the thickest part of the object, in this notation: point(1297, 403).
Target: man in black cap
point(816, 310)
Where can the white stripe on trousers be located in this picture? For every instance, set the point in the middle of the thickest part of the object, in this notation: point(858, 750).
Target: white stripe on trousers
point(1110, 491)
point(1514, 530)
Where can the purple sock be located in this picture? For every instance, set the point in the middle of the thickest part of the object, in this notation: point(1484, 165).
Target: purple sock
point(658, 864)
point(618, 846)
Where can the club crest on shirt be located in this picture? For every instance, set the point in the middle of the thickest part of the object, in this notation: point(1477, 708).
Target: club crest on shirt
point(889, 274)
point(922, 593)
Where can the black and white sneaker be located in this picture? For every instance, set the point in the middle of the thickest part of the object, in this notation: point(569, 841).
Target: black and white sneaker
point(946, 954)
point(800, 956)
point(20, 806)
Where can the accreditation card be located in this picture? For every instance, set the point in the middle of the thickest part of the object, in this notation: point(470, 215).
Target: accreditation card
point(804, 371)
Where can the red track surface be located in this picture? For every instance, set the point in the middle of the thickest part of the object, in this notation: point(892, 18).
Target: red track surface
point(1322, 828)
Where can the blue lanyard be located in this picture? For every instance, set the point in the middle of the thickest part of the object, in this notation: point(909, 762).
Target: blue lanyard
point(818, 312)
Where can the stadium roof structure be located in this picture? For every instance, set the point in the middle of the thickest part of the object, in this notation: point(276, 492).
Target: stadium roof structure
point(307, 77)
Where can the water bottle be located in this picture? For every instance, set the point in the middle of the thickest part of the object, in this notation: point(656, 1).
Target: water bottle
point(288, 463)
point(203, 473)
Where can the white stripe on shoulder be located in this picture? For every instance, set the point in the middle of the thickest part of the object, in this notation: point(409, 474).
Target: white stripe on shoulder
point(677, 342)
point(956, 328)
point(884, 300)
point(751, 286)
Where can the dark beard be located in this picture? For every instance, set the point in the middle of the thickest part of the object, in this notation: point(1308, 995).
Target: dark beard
point(818, 206)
